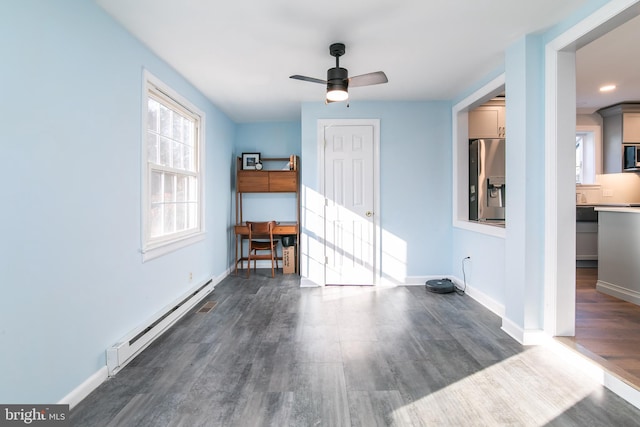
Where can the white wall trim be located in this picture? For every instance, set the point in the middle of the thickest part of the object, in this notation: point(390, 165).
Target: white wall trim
point(460, 158)
point(617, 291)
point(524, 336)
point(83, 390)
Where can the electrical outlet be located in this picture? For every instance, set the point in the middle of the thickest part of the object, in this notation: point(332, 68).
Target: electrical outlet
point(607, 192)
point(190, 276)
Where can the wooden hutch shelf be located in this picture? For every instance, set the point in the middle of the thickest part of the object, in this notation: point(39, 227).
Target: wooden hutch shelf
point(268, 181)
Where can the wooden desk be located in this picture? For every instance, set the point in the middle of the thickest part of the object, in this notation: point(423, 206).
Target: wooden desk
point(281, 229)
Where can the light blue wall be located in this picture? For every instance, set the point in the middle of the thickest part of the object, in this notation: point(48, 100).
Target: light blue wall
point(485, 270)
point(524, 261)
point(517, 280)
point(71, 275)
point(415, 178)
point(270, 139)
point(72, 278)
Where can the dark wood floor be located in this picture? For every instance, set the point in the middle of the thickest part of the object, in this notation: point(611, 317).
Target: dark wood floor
point(607, 328)
point(274, 354)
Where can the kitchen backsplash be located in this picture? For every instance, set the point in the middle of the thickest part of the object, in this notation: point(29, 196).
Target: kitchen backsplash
point(610, 188)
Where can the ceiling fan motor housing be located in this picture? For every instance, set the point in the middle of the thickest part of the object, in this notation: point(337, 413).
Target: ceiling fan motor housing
point(337, 78)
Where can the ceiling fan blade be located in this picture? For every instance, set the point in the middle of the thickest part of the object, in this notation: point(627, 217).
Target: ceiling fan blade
point(369, 79)
point(308, 79)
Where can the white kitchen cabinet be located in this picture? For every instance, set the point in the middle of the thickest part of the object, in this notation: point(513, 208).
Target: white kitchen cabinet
point(487, 121)
point(586, 241)
point(618, 253)
point(631, 127)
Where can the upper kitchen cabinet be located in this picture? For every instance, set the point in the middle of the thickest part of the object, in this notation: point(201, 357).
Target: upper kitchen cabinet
point(631, 127)
point(488, 120)
point(620, 125)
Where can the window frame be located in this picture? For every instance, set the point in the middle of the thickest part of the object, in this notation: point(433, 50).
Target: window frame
point(592, 153)
point(460, 160)
point(158, 246)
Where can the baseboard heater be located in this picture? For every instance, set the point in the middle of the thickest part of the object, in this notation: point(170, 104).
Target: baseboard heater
point(130, 346)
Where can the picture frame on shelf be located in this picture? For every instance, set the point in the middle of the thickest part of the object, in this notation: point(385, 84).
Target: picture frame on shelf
point(250, 161)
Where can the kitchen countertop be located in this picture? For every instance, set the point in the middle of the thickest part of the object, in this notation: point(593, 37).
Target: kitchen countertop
point(631, 208)
point(611, 205)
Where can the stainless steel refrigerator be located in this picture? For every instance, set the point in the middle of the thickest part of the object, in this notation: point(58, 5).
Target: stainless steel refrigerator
point(486, 180)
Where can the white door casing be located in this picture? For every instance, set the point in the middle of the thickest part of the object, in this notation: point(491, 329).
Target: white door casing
point(349, 186)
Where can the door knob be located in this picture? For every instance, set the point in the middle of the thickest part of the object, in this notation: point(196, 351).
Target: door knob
point(369, 213)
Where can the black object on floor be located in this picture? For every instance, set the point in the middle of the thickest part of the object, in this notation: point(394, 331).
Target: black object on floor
point(440, 286)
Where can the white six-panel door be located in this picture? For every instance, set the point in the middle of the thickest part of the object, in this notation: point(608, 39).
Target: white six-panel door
point(349, 207)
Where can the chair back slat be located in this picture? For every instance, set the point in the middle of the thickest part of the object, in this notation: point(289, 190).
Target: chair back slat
point(261, 230)
point(260, 227)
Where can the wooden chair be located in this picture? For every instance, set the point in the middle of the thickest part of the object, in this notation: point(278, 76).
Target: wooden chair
point(259, 232)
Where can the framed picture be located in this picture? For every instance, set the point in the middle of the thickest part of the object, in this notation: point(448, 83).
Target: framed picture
point(250, 160)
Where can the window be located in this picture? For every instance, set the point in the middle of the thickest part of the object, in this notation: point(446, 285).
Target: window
point(172, 151)
point(579, 158)
point(588, 154)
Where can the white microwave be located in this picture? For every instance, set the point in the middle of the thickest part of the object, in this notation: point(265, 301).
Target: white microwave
point(631, 157)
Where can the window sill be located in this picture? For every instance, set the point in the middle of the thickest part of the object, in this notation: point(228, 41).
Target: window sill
point(165, 248)
point(488, 229)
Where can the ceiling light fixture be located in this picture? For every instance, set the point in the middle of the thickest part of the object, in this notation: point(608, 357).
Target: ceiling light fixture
point(607, 88)
point(337, 94)
point(337, 84)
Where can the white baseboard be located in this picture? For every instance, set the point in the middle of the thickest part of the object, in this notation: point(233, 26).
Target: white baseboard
point(524, 336)
point(84, 389)
point(305, 282)
point(625, 294)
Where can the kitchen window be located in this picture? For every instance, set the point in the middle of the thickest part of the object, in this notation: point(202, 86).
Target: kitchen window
point(588, 154)
point(173, 177)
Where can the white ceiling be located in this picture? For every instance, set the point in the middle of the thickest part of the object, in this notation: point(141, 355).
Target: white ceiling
point(613, 58)
point(240, 54)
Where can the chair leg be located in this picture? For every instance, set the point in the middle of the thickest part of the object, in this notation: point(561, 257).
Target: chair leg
point(249, 265)
point(273, 274)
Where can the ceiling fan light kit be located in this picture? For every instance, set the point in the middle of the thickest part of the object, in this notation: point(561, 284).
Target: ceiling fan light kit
point(338, 79)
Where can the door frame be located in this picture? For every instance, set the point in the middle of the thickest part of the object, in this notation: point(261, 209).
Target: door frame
point(375, 123)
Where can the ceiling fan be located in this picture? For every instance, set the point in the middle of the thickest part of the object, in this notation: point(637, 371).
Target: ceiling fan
point(338, 81)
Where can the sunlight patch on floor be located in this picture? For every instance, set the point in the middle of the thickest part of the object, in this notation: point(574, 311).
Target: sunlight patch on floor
point(541, 383)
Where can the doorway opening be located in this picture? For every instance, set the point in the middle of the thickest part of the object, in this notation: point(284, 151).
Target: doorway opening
point(560, 175)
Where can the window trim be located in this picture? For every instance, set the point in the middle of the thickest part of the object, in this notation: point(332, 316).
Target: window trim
point(161, 246)
point(594, 147)
point(460, 158)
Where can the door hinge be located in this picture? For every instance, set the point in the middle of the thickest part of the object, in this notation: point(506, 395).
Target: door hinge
point(326, 260)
